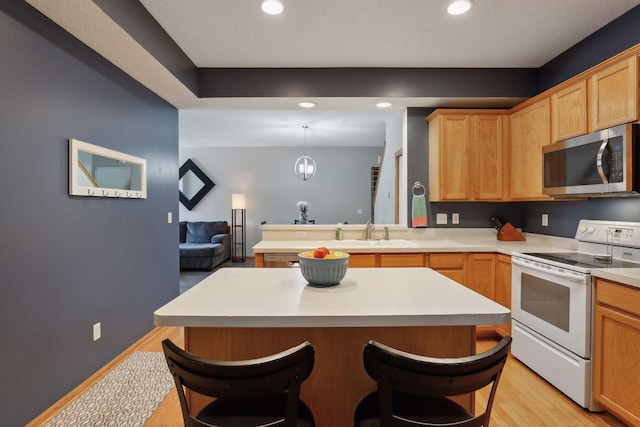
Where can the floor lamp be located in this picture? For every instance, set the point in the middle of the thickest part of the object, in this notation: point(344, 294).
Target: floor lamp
point(238, 230)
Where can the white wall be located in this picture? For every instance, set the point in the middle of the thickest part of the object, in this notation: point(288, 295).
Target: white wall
point(340, 187)
point(385, 201)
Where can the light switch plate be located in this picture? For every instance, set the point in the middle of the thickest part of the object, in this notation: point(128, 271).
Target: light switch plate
point(169, 217)
point(455, 218)
point(545, 220)
point(441, 218)
point(97, 331)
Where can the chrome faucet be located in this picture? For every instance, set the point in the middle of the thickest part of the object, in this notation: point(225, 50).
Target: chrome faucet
point(368, 231)
point(386, 233)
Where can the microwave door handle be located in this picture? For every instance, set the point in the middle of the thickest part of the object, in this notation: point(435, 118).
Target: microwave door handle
point(599, 165)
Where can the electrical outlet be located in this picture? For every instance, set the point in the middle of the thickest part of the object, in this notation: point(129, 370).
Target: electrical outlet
point(169, 217)
point(441, 218)
point(545, 220)
point(360, 211)
point(301, 234)
point(455, 218)
point(97, 331)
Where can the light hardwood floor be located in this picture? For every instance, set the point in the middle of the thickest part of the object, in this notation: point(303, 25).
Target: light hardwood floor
point(523, 399)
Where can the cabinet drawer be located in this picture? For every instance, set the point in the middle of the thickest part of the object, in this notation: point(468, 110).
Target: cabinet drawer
point(362, 260)
point(402, 260)
point(446, 261)
point(618, 296)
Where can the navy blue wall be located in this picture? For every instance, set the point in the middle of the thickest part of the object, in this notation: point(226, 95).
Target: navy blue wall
point(69, 262)
point(610, 40)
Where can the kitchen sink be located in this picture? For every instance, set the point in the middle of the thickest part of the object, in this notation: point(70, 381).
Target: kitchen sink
point(360, 243)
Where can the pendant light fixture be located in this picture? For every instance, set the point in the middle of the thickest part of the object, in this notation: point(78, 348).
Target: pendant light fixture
point(305, 167)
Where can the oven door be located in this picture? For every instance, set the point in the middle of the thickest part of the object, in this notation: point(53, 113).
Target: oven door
point(553, 302)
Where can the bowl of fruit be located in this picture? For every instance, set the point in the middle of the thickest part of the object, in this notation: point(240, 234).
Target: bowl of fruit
point(322, 267)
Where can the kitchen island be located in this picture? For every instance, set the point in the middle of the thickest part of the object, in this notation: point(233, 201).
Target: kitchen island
point(246, 313)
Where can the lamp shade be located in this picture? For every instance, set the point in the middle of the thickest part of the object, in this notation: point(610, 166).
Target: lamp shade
point(237, 201)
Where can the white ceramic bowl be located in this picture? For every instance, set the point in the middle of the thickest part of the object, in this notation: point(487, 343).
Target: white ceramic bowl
point(323, 271)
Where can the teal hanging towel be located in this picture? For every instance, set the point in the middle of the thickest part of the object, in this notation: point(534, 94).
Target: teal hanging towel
point(418, 206)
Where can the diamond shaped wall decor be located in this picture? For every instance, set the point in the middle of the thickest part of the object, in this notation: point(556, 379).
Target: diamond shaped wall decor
point(204, 185)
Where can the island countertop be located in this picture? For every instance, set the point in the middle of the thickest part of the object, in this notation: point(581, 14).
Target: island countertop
point(281, 297)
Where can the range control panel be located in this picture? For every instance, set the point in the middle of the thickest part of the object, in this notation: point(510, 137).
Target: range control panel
point(609, 232)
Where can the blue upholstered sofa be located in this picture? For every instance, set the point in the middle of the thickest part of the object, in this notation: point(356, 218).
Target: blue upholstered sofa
point(204, 245)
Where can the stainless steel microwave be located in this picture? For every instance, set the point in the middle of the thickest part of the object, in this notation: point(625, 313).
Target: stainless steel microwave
point(603, 163)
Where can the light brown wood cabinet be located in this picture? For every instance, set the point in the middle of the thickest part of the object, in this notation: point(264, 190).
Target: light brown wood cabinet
point(481, 273)
point(530, 131)
point(402, 260)
point(466, 155)
point(613, 94)
point(503, 288)
point(451, 265)
point(616, 356)
point(362, 260)
point(569, 111)
point(367, 260)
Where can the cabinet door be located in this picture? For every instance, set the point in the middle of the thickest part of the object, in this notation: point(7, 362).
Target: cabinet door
point(481, 270)
point(503, 288)
point(569, 111)
point(453, 168)
point(487, 157)
point(401, 260)
point(617, 363)
point(613, 95)
point(530, 131)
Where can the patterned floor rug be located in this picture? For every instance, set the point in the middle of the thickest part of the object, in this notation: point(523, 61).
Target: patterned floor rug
point(125, 397)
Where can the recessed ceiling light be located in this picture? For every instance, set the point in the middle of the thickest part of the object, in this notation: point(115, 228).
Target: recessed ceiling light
point(459, 6)
point(307, 104)
point(272, 7)
point(383, 104)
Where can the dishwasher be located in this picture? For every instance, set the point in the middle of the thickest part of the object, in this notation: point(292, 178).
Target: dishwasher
point(281, 260)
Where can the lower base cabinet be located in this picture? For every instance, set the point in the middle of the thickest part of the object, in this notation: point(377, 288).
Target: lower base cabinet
point(452, 265)
point(362, 260)
point(616, 358)
point(503, 289)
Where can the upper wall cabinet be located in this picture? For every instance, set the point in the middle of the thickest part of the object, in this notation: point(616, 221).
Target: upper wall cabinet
point(569, 111)
point(613, 94)
point(465, 155)
point(530, 131)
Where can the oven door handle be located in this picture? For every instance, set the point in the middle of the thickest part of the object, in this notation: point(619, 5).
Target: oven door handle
point(568, 276)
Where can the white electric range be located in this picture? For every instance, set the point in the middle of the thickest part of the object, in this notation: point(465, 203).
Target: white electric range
point(552, 304)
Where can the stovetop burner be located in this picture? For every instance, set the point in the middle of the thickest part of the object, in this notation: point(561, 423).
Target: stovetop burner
point(583, 260)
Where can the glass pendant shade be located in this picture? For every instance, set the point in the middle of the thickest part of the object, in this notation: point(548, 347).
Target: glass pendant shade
point(305, 167)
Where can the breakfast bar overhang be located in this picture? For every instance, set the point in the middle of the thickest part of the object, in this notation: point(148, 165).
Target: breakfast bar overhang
point(244, 313)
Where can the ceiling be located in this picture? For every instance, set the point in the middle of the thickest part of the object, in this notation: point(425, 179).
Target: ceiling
point(329, 33)
point(380, 33)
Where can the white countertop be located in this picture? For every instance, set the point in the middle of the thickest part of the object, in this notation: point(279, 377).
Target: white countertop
point(281, 297)
point(452, 244)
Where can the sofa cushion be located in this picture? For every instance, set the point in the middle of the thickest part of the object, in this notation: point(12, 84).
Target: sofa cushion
point(201, 249)
point(218, 238)
point(183, 231)
point(201, 232)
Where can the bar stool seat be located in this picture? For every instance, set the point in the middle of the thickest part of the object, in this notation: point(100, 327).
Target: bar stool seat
point(248, 393)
